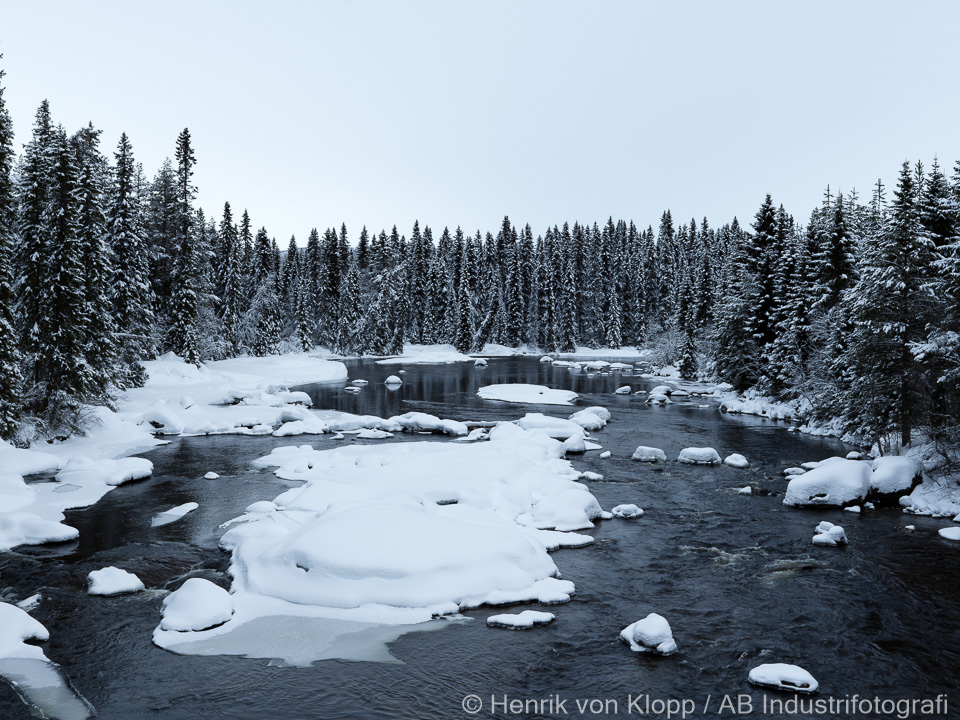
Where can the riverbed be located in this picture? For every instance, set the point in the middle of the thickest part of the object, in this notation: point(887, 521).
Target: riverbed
point(736, 576)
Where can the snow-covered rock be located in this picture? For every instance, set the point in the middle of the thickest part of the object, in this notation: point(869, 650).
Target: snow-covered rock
point(794, 471)
point(422, 422)
point(591, 418)
point(699, 456)
point(736, 461)
point(854, 455)
point(546, 359)
point(26, 462)
point(661, 390)
point(211, 476)
point(844, 482)
point(894, 476)
point(780, 676)
point(649, 454)
point(480, 362)
point(652, 634)
point(393, 380)
point(622, 390)
point(576, 443)
point(658, 399)
point(520, 621)
point(627, 510)
point(113, 581)
point(79, 470)
point(351, 389)
point(360, 382)
point(748, 490)
point(595, 477)
point(830, 535)
point(525, 393)
point(197, 605)
point(368, 434)
point(605, 454)
point(950, 533)
point(16, 626)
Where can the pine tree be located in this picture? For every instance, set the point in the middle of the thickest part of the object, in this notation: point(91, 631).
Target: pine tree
point(11, 380)
point(131, 293)
point(232, 282)
point(363, 248)
point(350, 313)
point(262, 321)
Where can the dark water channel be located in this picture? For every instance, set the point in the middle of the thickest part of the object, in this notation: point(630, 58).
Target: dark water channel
point(736, 576)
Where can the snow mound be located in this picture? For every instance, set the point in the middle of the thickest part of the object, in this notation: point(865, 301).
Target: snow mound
point(368, 434)
point(80, 470)
point(605, 454)
point(422, 422)
point(393, 380)
point(524, 393)
point(736, 461)
point(113, 581)
point(427, 354)
point(780, 676)
point(950, 533)
point(595, 477)
point(23, 528)
point(627, 510)
point(26, 462)
point(794, 471)
point(197, 605)
point(652, 634)
point(748, 490)
point(591, 418)
point(15, 627)
point(839, 483)
point(623, 390)
point(546, 359)
point(520, 621)
point(894, 476)
point(854, 455)
point(649, 454)
point(211, 476)
point(479, 362)
point(829, 535)
point(699, 456)
point(658, 399)
point(173, 514)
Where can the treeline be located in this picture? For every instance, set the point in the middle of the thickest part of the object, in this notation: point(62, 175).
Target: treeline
point(100, 268)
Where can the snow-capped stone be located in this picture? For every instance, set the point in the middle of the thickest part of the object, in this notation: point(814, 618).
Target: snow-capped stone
point(830, 535)
point(854, 455)
point(211, 476)
point(576, 443)
point(546, 359)
point(780, 676)
point(794, 471)
point(658, 399)
point(652, 634)
point(520, 621)
point(627, 510)
point(589, 419)
point(748, 490)
point(368, 434)
point(351, 389)
point(113, 581)
point(853, 509)
point(894, 476)
point(338, 436)
point(845, 482)
point(699, 456)
point(950, 533)
point(16, 626)
point(197, 605)
point(606, 453)
point(661, 390)
point(595, 477)
point(480, 362)
point(82, 470)
point(736, 461)
point(262, 506)
point(422, 422)
point(623, 390)
point(393, 380)
point(811, 465)
point(648, 454)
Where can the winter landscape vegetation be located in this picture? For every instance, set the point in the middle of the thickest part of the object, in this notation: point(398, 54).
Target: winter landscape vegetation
point(228, 460)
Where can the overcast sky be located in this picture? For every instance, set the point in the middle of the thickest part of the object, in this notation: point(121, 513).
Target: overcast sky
point(311, 114)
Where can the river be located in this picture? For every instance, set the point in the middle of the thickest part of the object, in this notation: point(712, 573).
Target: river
point(736, 576)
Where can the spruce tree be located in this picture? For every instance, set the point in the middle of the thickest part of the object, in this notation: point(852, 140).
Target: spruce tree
point(11, 380)
point(131, 293)
point(188, 269)
point(232, 282)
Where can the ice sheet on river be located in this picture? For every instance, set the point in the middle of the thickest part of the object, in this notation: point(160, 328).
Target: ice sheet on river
point(401, 533)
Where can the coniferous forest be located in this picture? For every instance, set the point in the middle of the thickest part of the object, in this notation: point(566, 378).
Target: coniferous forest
point(852, 308)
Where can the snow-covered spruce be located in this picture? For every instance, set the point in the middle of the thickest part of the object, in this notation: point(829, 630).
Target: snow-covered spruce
point(780, 676)
point(520, 621)
point(699, 456)
point(652, 634)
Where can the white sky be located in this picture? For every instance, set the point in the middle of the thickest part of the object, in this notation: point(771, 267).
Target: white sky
point(453, 112)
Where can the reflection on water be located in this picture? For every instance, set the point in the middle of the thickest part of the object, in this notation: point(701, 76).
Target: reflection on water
point(736, 576)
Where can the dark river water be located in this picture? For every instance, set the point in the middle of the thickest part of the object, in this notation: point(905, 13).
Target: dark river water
point(736, 576)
